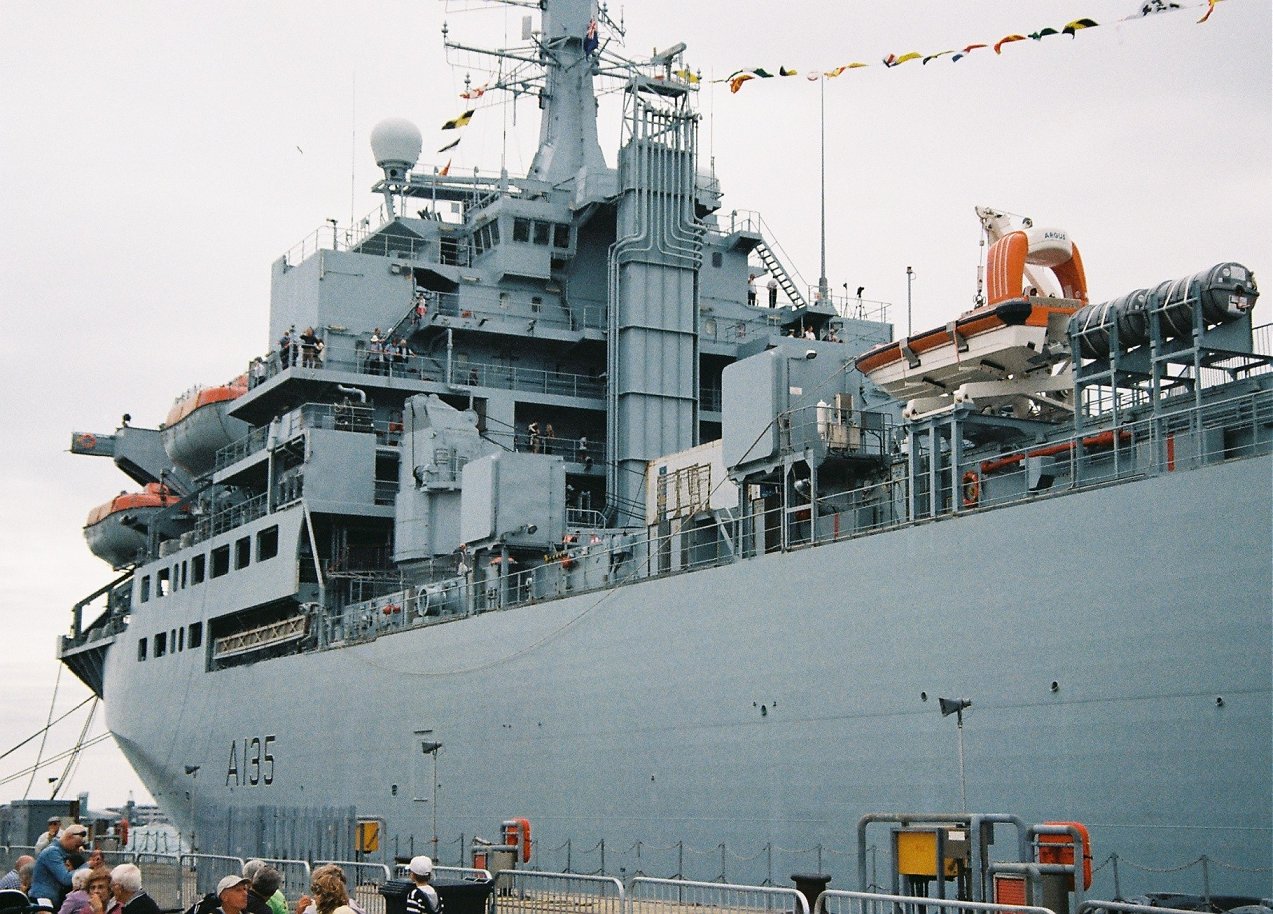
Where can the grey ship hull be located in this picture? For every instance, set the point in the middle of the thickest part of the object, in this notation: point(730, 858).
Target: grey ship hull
point(635, 714)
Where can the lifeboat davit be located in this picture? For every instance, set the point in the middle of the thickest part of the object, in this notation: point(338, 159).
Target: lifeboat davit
point(110, 538)
point(199, 424)
point(1009, 335)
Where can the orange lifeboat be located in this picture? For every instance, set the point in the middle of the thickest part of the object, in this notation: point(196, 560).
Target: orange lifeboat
point(114, 541)
point(199, 424)
point(1007, 336)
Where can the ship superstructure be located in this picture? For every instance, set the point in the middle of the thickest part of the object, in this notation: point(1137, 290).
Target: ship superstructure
point(531, 475)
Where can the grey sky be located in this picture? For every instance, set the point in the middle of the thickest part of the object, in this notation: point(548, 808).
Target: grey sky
point(156, 157)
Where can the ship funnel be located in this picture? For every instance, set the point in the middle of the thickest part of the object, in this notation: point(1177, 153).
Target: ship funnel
point(396, 144)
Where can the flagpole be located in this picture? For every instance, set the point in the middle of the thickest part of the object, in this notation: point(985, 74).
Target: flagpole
point(822, 103)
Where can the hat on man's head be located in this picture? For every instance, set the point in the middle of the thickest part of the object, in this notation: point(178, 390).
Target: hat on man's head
point(57, 819)
point(231, 882)
point(422, 865)
point(76, 829)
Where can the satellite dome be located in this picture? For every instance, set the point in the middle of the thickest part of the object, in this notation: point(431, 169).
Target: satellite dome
point(396, 144)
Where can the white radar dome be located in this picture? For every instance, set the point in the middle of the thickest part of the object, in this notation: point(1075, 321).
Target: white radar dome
point(396, 144)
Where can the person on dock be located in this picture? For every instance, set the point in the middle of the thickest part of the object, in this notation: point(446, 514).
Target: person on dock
point(127, 892)
point(90, 891)
point(423, 897)
point(330, 893)
point(232, 893)
point(265, 888)
point(13, 878)
point(55, 826)
point(51, 878)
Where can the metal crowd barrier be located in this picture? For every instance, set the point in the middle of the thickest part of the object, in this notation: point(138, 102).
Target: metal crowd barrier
point(528, 892)
point(833, 901)
point(296, 875)
point(671, 896)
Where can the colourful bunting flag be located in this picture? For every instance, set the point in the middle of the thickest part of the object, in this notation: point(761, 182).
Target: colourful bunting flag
point(686, 75)
point(1157, 6)
point(893, 60)
point(1072, 27)
point(935, 56)
point(1007, 39)
point(459, 121)
point(783, 71)
point(474, 93)
point(736, 82)
point(1043, 33)
point(763, 74)
point(450, 145)
point(1211, 5)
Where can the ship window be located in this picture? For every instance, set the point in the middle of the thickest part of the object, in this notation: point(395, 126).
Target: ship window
point(220, 561)
point(541, 233)
point(141, 650)
point(181, 639)
point(161, 644)
point(521, 230)
point(185, 567)
point(267, 543)
point(195, 638)
point(561, 236)
point(145, 589)
point(494, 233)
point(716, 258)
point(199, 569)
point(163, 583)
point(242, 552)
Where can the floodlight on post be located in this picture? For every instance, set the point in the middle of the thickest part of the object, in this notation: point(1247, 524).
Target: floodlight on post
point(956, 706)
point(431, 747)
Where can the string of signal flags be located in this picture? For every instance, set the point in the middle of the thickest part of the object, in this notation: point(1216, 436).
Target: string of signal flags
point(1147, 8)
point(736, 79)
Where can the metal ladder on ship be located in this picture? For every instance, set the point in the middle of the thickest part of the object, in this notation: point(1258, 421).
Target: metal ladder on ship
point(775, 269)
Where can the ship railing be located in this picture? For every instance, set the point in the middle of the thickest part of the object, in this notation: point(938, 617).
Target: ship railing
point(585, 518)
point(484, 306)
point(838, 901)
point(227, 519)
point(235, 451)
point(540, 893)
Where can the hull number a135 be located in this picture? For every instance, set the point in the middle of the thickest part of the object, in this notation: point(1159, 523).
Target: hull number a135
point(251, 762)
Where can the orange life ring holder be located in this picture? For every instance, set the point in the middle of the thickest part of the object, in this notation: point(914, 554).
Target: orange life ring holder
point(87, 441)
point(972, 489)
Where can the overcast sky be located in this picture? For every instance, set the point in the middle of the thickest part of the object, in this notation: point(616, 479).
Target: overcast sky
point(155, 158)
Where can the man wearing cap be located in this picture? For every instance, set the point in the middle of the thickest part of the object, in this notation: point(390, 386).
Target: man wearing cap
point(55, 826)
point(232, 892)
point(52, 876)
point(423, 898)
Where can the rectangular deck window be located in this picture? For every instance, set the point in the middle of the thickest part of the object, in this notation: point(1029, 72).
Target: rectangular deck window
point(181, 639)
point(541, 232)
point(220, 561)
point(144, 590)
point(561, 235)
point(521, 230)
point(141, 650)
point(242, 552)
point(195, 638)
point(267, 543)
point(163, 583)
point(198, 568)
point(185, 567)
point(161, 644)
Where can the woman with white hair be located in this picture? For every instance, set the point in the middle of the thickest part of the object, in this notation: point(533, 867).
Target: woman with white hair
point(90, 890)
point(126, 888)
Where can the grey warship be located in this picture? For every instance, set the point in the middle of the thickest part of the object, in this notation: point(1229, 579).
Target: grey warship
point(549, 517)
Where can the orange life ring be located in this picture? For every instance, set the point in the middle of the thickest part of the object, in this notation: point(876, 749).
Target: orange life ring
point(972, 488)
point(87, 441)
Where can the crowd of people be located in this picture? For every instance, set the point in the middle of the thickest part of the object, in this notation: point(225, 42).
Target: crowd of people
point(62, 879)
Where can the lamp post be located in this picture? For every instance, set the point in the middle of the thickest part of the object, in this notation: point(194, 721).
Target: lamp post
point(956, 706)
point(431, 747)
point(193, 771)
point(910, 274)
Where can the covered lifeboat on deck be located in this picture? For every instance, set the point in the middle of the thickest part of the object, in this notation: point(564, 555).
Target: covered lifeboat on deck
point(1009, 336)
point(199, 424)
point(116, 530)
